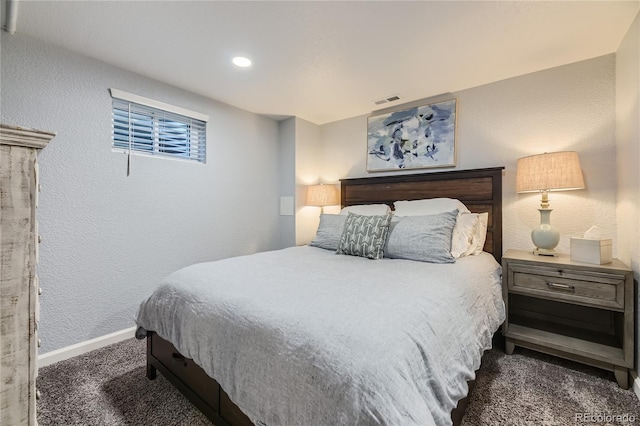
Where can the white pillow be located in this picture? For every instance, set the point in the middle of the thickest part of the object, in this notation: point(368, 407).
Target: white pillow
point(427, 207)
point(461, 242)
point(475, 234)
point(463, 238)
point(481, 232)
point(367, 210)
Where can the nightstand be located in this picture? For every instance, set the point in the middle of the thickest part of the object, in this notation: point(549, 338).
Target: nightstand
point(573, 310)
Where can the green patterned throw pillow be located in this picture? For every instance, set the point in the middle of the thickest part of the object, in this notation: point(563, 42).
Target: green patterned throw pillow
point(364, 236)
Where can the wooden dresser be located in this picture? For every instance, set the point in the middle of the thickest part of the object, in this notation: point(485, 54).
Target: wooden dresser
point(19, 286)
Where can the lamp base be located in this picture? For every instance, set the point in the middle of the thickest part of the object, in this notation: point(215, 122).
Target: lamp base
point(545, 237)
point(546, 252)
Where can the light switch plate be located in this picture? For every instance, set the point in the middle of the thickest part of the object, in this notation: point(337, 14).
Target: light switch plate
point(286, 206)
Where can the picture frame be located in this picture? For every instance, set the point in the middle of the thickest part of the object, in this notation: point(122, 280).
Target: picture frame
point(414, 138)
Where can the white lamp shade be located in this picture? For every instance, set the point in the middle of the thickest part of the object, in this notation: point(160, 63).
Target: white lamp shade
point(322, 195)
point(555, 171)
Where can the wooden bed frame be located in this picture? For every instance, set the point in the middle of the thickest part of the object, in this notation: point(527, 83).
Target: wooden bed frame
point(480, 190)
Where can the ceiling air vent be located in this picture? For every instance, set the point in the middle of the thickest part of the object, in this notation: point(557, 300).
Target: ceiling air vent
point(387, 99)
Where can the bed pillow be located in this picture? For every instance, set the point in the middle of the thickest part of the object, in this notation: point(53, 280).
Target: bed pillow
point(423, 238)
point(364, 235)
point(481, 232)
point(463, 238)
point(367, 210)
point(428, 207)
point(460, 241)
point(478, 234)
point(329, 231)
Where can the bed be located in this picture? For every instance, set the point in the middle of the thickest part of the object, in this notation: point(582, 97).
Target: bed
point(311, 358)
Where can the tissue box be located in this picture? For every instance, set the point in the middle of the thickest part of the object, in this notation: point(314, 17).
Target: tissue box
point(591, 251)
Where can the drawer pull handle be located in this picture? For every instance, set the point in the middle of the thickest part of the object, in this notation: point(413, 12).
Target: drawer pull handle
point(179, 359)
point(561, 287)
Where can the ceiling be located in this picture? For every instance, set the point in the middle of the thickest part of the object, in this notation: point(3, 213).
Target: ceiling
point(326, 61)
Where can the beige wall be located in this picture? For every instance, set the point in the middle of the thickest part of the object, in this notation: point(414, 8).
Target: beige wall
point(628, 145)
point(308, 150)
point(565, 108)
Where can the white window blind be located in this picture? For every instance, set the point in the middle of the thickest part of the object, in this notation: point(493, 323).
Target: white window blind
point(145, 126)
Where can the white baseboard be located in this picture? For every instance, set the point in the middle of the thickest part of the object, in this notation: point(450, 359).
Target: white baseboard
point(84, 347)
point(635, 383)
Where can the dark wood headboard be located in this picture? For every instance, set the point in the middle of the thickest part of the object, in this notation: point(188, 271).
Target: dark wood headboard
point(479, 189)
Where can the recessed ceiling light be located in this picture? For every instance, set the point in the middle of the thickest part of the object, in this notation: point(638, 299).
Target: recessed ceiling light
point(241, 61)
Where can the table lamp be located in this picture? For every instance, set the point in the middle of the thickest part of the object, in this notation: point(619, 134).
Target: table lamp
point(322, 195)
point(554, 171)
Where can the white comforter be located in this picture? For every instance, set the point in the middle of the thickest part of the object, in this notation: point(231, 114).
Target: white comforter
point(303, 336)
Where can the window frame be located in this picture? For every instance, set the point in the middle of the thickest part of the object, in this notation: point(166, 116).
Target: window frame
point(143, 126)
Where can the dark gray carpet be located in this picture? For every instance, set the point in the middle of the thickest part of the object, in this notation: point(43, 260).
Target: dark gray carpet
point(530, 388)
point(109, 387)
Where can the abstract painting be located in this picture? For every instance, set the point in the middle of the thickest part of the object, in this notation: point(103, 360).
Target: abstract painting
point(415, 138)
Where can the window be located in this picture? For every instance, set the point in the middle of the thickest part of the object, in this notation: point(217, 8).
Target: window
point(145, 126)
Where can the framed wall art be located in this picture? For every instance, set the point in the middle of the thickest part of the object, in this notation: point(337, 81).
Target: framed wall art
point(415, 138)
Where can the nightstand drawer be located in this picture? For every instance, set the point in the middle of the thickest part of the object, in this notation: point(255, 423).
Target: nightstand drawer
point(587, 288)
